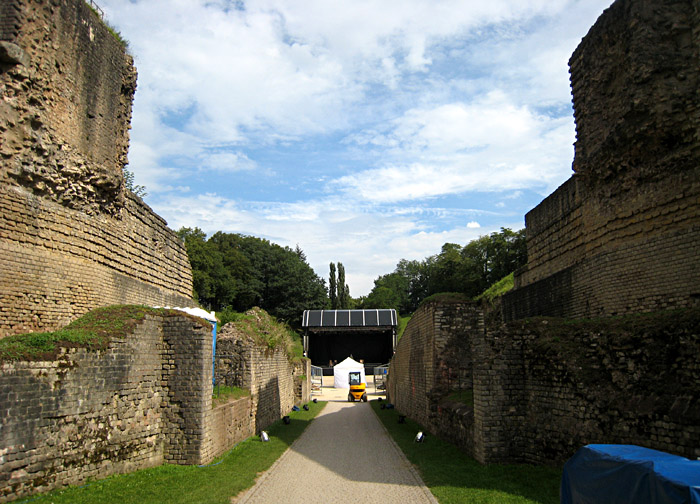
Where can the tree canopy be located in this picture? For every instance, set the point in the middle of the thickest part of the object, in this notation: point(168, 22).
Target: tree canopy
point(239, 272)
point(468, 269)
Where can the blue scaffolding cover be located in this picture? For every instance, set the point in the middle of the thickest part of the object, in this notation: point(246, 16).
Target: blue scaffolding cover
point(617, 474)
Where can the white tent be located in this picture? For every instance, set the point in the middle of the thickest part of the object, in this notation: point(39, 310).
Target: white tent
point(342, 370)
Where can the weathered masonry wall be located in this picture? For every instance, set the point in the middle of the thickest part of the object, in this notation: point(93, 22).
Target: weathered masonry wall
point(71, 236)
point(267, 373)
point(433, 358)
point(542, 388)
point(144, 400)
point(621, 235)
point(56, 264)
point(545, 387)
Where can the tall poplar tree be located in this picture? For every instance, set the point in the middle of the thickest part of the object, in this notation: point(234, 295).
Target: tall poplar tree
point(332, 293)
point(343, 290)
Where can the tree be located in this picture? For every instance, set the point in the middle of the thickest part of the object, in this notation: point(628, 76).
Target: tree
point(469, 270)
point(332, 285)
point(343, 291)
point(238, 272)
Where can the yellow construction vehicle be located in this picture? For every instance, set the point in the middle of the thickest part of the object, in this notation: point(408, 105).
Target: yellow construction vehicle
point(357, 388)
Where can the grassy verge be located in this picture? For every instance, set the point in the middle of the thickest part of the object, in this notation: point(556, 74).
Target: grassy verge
point(92, 330)
point(216, 483)
point(403, 322)
point(223, 394)
point(454, 477)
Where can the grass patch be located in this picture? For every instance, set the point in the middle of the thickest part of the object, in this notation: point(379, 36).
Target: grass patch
point(454, 477)
point(172, 484)
point(223, 394)
point(447, 297)
point(498, 289)
point(266, 331)
point(93, 330)
point(403, 322)
point(462, 396)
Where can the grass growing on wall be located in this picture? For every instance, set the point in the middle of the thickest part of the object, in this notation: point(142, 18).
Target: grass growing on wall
point(498, 289)
point(454, 477)
point(403, 322)
point(215, 483)
point(223, 394)
point(265, 330)
point(93, 330)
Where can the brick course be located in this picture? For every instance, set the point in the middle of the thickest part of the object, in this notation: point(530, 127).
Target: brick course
point(621, 235)
point(71, 236)
point(145, 400)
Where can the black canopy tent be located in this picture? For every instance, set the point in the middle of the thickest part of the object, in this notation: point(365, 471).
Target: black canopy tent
point(333, 335)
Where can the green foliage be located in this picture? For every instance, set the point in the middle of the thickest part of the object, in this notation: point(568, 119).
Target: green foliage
point(93, 330)
point(215, 483)
point(447, 297)
point(233, 273)
point(453, 476)
point(403, 322)
point(332, 287)
point(468, 270)
point(223, 394)
point(498, 289)
point(137, 189)
point(343, 290)
point(266, 331)
point(338, 291)
point(462, 396)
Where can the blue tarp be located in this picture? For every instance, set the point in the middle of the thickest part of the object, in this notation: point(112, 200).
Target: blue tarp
point(621, 474)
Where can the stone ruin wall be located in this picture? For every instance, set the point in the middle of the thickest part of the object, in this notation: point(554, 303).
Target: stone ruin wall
point(71, 236)
point(144, 400)
point(275, 383)
point(621, 235)
point(433, 358)
point(544, 387)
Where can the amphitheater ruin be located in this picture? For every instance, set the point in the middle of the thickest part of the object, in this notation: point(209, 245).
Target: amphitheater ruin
point(597, 342)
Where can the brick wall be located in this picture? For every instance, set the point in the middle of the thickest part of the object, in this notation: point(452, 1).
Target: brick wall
point(434, 357)
point(621, 235)
point(9, 20)
point(89, 414)
point(274, 382)
point(228, 425)
point(545, 387)
point(71, 237)
point(56, 263)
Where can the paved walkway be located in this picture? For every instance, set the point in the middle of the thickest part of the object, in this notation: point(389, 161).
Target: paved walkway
point(345, 455)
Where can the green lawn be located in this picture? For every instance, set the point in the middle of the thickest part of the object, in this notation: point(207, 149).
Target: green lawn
point(454, 477)
point(216, 483)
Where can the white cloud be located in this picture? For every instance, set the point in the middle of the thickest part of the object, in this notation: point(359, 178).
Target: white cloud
point(227, 161)
point(449, 97)
point(490, 144)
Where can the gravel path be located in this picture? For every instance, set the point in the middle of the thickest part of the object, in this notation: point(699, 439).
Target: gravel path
point(345, 455)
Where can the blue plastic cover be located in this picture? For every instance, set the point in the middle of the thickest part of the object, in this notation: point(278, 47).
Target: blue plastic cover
point(621, 474)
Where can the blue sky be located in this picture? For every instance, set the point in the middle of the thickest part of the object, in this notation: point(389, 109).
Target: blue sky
point(363, 131)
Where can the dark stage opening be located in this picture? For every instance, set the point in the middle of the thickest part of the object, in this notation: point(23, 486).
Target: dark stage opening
point(330, 336)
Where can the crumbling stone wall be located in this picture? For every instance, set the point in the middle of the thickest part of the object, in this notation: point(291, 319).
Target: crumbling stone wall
point(71, 236)
point(275, 383)
point(434, 357)
point(621, 235)
point(144, 400)
point(542, 388)
point(545, 387)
